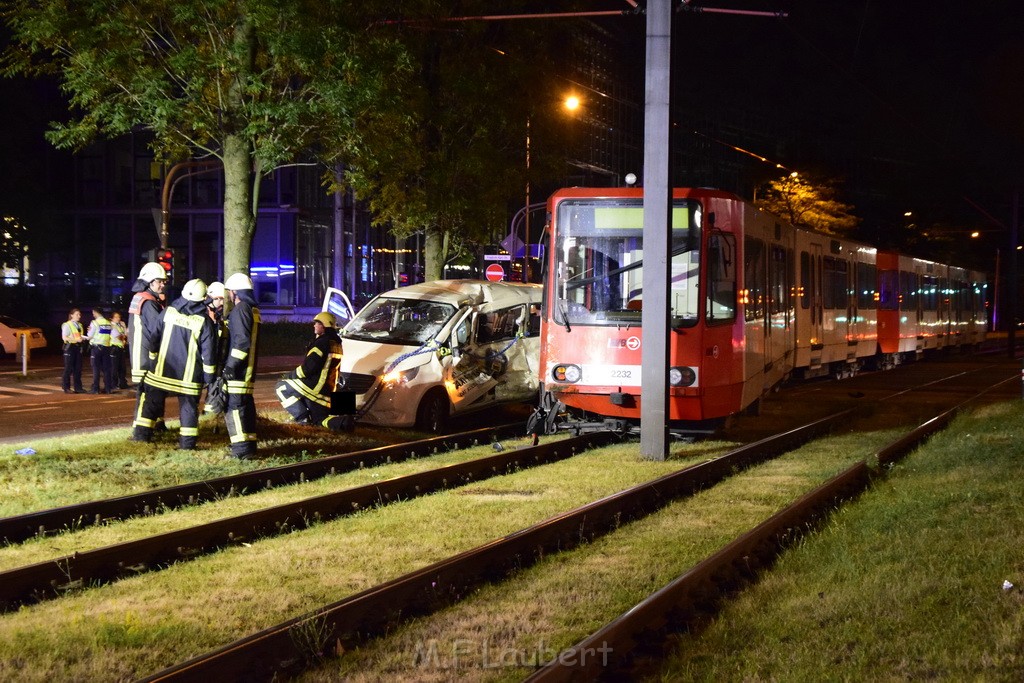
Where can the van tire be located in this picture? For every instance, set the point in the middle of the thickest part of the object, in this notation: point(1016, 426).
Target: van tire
point(433, 412)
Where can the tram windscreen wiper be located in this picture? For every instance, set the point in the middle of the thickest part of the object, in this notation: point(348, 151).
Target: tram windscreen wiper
point(678, 251)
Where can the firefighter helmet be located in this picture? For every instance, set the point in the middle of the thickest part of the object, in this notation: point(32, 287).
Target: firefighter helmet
point(238, 281)
point(215, 290)
point(194, 290)
point(152, 271)
point(326, 318)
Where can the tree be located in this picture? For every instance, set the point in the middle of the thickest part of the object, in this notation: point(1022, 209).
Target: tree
point(448, 162)
point(807, 203)
point(253, 83)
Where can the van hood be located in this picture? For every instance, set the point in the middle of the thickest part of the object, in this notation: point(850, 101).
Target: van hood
point(373, 358)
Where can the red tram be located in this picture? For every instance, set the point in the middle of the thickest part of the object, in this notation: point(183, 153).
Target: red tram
point(753, 302)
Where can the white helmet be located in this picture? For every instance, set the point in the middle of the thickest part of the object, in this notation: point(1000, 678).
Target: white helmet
point(215, 290)
point(194, 290)
point(152, 271)
point(238, 281)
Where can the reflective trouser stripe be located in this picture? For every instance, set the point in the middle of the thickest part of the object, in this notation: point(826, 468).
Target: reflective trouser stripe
point(282, 395)
point(139, 420)
point(190, 431)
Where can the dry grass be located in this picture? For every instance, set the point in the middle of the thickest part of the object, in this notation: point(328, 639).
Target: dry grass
point(141, 624)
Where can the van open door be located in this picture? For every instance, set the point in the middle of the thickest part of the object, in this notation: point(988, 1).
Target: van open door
point(337, 303)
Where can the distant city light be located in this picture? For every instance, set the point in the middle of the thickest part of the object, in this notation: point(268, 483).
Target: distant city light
point(572, 103)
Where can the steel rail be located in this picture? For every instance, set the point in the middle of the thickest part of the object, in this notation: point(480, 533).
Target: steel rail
point(693, 596)
point(23, 527)
point(53, 578)
point(284, 649)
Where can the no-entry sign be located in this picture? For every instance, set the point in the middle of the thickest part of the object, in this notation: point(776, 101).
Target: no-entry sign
point(495, 272)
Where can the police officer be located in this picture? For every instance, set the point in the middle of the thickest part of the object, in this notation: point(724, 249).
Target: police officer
point(306, 392)
point(240, 366)
point(118, 348)
point(184, 364)
point(99, 353)
point(71, 333)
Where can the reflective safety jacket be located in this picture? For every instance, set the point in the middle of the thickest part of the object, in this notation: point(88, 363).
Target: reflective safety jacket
point(99, 332)
point(118, 334)
point(71, 332)
point(143, 332)
point(243, 330)
point(315, 379)
point(185, 360)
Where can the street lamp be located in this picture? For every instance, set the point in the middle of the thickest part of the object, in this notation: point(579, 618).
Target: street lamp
point(571, 103)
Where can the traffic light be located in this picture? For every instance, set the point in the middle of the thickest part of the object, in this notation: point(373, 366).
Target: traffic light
point(165, 257)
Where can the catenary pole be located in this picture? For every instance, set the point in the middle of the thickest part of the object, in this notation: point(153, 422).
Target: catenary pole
point(657, 184)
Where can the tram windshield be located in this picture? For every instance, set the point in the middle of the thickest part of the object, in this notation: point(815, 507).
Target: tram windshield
point(599, 268)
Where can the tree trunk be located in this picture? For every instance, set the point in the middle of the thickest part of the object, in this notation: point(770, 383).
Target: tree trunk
point(239, 219)
point(433, 256)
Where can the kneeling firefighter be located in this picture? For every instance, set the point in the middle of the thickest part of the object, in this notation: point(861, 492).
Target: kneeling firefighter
point(306, 392)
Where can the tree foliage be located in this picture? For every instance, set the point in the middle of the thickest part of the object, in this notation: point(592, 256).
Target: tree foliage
point(808, 203)
point(449, 161)
point(254, 83)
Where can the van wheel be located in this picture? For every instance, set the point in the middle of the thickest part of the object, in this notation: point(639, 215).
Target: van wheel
point(433, 412)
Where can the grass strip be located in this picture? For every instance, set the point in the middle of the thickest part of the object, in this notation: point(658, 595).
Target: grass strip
point(146, 623)
point(907, 583)
point(505, 629)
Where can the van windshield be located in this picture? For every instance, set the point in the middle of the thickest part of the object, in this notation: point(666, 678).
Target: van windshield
point(407, 322)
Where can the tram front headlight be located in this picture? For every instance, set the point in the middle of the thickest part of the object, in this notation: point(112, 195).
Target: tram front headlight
point(681, 376)
point(564, 372)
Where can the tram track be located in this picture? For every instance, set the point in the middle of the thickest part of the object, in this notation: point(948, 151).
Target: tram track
point(363, 618)
point(55, 577)
point(694, 596)
point(19, 528)
point(282, 649)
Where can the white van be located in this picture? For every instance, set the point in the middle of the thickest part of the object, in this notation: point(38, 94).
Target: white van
point(419, 354)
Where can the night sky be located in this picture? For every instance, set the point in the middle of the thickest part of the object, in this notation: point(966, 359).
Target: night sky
point(918, 104)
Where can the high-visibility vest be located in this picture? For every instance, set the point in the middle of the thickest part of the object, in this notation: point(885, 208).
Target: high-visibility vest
point(99, 332)
point(71, 330)
point(118, 334)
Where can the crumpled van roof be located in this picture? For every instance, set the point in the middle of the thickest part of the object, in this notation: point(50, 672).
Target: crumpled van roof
point(471, 292)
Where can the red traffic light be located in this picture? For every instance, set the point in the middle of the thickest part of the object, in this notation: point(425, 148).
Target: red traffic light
point(165, 257)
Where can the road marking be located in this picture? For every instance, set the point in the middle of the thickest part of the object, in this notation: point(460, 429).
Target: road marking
point(27, 392)
point(29, 410)
point(48, 387)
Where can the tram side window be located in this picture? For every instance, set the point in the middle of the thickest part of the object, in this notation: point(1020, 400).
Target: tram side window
point(778, 279)
point(888, 290)
point(754, 279)
point(865, 286)
point(721, 292)
point(805, 280)
point(929, 293)
point(908, 290)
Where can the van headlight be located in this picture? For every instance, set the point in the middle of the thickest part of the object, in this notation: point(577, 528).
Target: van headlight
point(567, 373)
point(681, 376)
point(399, 376)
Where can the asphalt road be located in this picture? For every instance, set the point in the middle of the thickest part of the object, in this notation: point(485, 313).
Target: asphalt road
point(33, 405)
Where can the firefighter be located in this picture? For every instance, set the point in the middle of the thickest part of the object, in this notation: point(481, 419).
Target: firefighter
point(216, 400)
point(99, 353)
point(143, 319)
point(71, 333)
point(184, 365)
point(144, 329)
point(306, 392)
point(240, 366)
